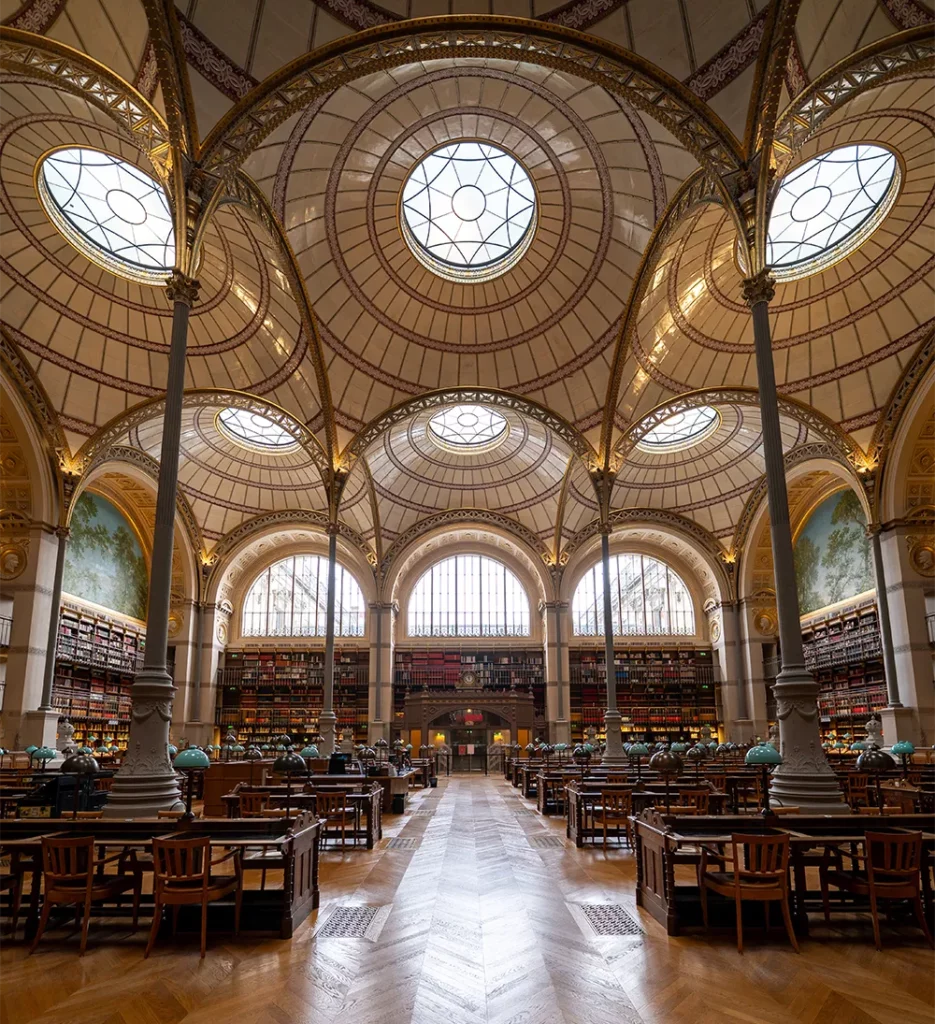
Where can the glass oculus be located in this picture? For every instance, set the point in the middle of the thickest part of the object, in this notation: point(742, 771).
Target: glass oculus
point(468, 428)
point(468, 211)
point(253, 430)
point(111, 212)
point(681, 430)
point(828, 206)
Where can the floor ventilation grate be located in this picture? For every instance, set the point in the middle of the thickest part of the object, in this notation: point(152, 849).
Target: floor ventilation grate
point(547, 842)
point(607, 919)
point(424, 812)
point(400, 843)
point(360, 922)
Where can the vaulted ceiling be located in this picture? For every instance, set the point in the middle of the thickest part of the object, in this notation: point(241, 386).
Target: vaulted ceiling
point(331, 324)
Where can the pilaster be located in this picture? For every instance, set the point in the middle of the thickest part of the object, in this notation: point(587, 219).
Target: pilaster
point(380, 701)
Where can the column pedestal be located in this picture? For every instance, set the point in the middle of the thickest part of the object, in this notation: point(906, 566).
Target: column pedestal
point(41, 728)
point(560, 732)
point(899, 724)
point(327, 727)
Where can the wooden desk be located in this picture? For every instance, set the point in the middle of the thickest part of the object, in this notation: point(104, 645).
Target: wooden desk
point(395, 790)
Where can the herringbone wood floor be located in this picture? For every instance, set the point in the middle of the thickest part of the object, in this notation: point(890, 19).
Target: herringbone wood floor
point(479, 931)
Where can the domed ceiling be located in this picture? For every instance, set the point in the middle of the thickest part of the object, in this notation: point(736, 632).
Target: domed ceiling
point(337, 325)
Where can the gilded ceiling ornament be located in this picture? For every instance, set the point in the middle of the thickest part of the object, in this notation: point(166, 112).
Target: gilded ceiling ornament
point(182, 288)
point(759, 288)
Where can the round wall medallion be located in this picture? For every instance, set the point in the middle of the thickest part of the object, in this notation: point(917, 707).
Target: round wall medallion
point(175, 623)
point(13, 561)
point(922, 556)
point(765, 622)
point(222, 632)
point(715, 631)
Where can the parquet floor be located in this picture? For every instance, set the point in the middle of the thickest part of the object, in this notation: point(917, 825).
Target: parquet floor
point(480, 929)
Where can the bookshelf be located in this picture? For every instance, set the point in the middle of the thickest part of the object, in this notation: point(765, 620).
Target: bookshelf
point(845, 653)
point(668, 692)
point(265, 693)
point(498, 669)
point(95, 664)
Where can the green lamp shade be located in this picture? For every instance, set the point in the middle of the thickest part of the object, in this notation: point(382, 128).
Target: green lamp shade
point(858, 745)
point(839, 744)
point(44, 754)
point(191, 757)
point(173, 750)
point(903, 747)
point(31, 749)
point(237, 748)
point(265, 746)
point(638, 750)
point(678, 748)
point(310, 751)
point(763, 753)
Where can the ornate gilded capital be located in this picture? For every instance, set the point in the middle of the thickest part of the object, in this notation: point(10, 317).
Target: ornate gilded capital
point(62, 532)
point(333, 529)
point(605, 529)
point(182, 288)
point(759, 288)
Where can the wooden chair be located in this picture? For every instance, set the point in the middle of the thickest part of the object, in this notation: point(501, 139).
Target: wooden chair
point(104, 784)
point(892, 871)
point(697, 798)
point(615, 809)
point(73, 876)
point(13, 881)
point(333, 807)
point(858, 794)
point(760, 872)
point(253, 804)
point(182, 877)
point(719, 782)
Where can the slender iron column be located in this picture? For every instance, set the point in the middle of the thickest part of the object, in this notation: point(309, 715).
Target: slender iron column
point(804, 779)
point(883, 614)
point(48, 678)
point(327, 722)
point(613, 752)
point(146, 782)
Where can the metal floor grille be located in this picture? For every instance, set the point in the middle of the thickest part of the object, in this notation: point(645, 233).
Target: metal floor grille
point(608, 919)
point(546, 842)
point(424, 812)
point(400, 843)
point(360, 922)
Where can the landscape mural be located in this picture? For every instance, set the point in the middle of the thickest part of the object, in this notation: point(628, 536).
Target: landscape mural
point(832, 553)
point(103, 559)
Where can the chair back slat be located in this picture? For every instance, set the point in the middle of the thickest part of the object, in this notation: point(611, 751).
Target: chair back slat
point(329, 803)
point(891, 856)
point(760, 858)
point(697, 798)
point(252, 804)
point(616, 801)
point(68, 861)
point(181, 860)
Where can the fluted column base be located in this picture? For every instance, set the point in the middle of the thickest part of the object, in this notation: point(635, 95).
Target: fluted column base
point(804, 779)
point(146, 782)
point(613, 749)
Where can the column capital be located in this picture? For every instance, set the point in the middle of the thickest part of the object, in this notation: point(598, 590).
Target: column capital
point(333, 529)
point(62, 532)
point(556, 606)
point(182, 288)
point(759, 288)
point(605, 529)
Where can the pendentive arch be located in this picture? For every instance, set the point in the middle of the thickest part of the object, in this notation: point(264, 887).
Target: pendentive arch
point(909, 467)
point(621, 72)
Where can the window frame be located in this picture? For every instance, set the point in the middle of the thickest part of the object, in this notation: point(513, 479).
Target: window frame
point(345, 598)
point(458, 625)
point(593, 611)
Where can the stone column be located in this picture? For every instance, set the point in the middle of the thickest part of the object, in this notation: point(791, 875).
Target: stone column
point(557, 686)
point(214, 626)
point(733, 681)
point(55, 605)
point(327, 723)
point(901, 544)
point(381, 671)
point(31, 590)
point(146, 782)
point(613, 753)
point(804, 779)
point(186, 669)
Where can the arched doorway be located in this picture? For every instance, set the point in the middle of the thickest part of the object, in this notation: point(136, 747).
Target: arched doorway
point(469, 732)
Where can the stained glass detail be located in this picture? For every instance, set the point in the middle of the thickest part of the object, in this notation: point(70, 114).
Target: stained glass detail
point(290, 598)
point(468, 595)
point(112, 212)
point(647, 599)
point(253, 430)
point(468, 211)
point(468, 427)
point(828, 206)
point(680, 430)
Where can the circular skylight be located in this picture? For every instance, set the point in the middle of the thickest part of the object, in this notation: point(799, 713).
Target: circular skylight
point(468, 211)
point(468, 428)
point(252, 430)
point(680, 430)
point(110, 211)
point(827, 207)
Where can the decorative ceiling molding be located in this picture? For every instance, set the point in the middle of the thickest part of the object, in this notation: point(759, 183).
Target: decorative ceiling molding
point(36, 15)
point(460, 517)
point(620, 72)
point(364, 438)
point(162, 64)
point(58, 64)
point(730, 61)
point(34, 395)
point(906, 53)
point(112, 433)
point(696, 190)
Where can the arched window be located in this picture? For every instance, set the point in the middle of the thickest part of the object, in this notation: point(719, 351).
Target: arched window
point(647, 599)
point(290, 598)
point(468, 595)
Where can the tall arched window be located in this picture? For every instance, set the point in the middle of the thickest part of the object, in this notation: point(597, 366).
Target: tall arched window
point(468, 595)
point(290, 598)
point(647, 599)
